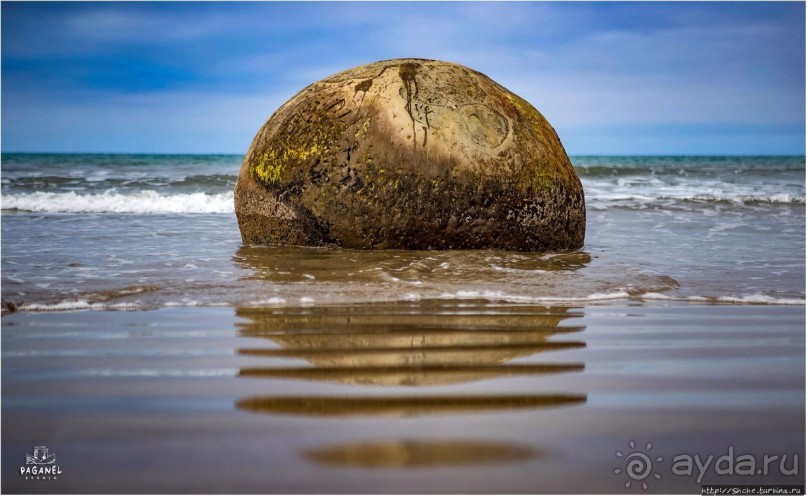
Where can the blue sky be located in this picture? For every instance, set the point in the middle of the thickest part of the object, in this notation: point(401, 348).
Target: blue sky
point(612, 78)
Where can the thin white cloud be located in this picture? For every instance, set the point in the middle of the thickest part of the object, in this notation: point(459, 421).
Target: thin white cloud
point(158, 122)
point(580, 99)
point(145, 28)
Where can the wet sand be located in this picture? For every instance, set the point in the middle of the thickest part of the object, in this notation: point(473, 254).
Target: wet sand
point(428, 397)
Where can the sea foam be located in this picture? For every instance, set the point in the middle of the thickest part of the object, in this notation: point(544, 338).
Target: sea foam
point(754, 299)
point(111, 201)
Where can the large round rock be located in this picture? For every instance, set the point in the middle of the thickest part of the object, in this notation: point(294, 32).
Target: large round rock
point(414, 154)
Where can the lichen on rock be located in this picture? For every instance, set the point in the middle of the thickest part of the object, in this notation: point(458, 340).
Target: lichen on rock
point(409, 153)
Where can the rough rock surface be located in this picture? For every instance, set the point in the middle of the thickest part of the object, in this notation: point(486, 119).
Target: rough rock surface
point(409, 153)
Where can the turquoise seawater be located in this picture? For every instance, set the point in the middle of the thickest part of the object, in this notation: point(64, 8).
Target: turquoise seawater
point(147, 231)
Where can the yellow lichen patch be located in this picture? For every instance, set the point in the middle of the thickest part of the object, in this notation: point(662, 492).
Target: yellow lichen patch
point(363, 129)
point(271, 163)
point(545, 177)
point(528, 113)
point(268, 168)
point(544, 181)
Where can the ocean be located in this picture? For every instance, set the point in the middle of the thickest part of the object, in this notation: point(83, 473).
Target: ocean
point(145, 349)
point(150, 231)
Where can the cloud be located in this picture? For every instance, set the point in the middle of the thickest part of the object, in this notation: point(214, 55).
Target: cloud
point(168, 122)
point(128, 72)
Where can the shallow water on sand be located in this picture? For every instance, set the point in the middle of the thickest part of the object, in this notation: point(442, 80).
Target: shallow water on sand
point(429, 396)
point(136, 232)
point(62, 262)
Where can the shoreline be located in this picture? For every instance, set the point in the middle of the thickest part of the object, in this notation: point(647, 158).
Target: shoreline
point(651, 300)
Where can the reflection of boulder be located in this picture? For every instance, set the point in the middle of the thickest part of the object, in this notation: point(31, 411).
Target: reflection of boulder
point(430, 375)
point(269, 320)
point(411, 339)
point(406, 453)
point(288, 265)
point(392, 345)
point(415, 356)
point(326, 406)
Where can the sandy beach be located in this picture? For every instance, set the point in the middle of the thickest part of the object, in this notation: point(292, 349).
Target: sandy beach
point(402, 398)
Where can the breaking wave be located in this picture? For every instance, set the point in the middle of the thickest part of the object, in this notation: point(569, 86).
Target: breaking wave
point(111, 201)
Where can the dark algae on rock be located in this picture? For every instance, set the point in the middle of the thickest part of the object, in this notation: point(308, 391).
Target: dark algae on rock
point(409, 153)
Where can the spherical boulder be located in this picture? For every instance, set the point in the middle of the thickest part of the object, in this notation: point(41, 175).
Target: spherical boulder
point(409, 153)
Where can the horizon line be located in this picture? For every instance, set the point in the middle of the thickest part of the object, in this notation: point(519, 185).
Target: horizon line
point(802, 154)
